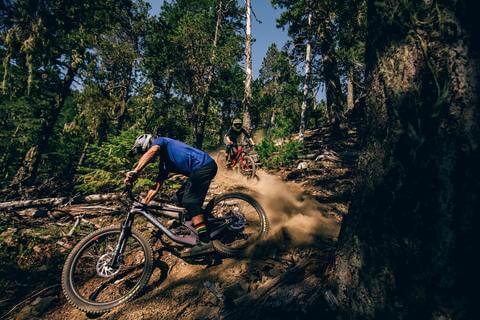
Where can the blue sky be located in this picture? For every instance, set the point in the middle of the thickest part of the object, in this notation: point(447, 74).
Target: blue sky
point(264, 33)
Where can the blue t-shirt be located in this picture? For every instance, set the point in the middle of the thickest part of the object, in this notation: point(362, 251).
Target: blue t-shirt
point(178, 157)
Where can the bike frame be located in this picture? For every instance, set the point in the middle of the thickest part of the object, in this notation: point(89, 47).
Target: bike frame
point(177, 213)
point(238, 156)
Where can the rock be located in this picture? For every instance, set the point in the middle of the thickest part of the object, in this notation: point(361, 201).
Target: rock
point(302, 165)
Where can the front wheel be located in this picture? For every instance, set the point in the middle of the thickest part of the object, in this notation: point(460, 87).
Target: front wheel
point(241, 219)
point(93, 284)
point(248, 167)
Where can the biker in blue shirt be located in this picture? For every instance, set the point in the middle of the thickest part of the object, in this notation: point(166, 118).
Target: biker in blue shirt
point(178, 157)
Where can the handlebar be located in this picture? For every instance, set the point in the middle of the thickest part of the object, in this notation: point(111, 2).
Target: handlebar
point(242, 145)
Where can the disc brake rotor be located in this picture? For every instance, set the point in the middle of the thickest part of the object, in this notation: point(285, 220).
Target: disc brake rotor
point(103, 266)
point(238, 220)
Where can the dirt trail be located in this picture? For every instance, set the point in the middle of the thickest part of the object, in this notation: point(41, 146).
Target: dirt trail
point(178, 290)
point(305, 204)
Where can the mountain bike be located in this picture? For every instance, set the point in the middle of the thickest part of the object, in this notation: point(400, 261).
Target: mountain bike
point(112, 265)
point(244, 158)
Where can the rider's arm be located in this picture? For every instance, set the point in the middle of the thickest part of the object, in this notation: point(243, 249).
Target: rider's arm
point(248, 136)
point(152, 192)
point(146, 158)
point(227, 137)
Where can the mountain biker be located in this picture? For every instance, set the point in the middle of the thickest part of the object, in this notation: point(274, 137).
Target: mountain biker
point(232, 137)
point(178, 157)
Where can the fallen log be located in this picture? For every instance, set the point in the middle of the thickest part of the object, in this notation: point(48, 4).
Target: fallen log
point(55, 202)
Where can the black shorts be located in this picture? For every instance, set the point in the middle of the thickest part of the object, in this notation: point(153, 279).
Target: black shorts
point(193, 192)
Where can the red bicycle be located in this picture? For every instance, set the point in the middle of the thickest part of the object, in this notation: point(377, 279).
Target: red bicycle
point(243, 159)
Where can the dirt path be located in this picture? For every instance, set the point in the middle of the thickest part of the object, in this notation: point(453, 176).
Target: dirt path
point(178, 290)
point(305, 205)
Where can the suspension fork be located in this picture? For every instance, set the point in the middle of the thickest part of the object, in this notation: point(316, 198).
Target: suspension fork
point(124, 234)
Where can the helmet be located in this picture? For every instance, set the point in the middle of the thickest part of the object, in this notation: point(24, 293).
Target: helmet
point(142, 144)
point(237, 124)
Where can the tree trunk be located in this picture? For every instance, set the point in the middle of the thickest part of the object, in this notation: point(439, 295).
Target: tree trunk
point(247, 100)
point(331, 75)
point(124, 97)
point(200, 132)
point(306, 84)
point(8, 155)
point(350, 89)
point(406, 247)
point(55, 202)
point(27, 173)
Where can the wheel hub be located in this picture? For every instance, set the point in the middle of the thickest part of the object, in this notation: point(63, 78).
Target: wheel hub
point(238, 221)
point(103, 266)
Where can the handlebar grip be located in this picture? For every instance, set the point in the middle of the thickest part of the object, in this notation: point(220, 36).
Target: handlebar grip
point(128, 191)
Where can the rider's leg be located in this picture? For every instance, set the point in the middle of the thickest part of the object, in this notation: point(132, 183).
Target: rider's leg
point(229, 154)
point(195, 192)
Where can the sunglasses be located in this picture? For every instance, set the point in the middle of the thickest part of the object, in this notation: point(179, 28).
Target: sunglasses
point(237, 125)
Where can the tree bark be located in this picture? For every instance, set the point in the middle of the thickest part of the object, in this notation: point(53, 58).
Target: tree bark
point(27, 173)
point(306, 85)
point(54, 202)
point(247, 100)
point(200, 131)
point(331, 74)
point(406, 247)
point(350, 90)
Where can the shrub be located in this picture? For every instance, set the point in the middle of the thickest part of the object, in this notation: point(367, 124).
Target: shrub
point(105, 165)
point(273, 156)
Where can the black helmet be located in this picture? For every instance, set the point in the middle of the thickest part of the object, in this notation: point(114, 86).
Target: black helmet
point(237, 124)
point(142, 144)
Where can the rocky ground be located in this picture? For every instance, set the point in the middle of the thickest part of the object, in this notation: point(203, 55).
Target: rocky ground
point(305, 205)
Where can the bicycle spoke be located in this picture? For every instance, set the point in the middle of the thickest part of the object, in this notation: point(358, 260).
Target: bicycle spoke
point(244, 225)
point(101, 287)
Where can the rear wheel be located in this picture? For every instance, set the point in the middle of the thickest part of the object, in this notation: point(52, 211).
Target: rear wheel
point(89, 280)
point(245, 219)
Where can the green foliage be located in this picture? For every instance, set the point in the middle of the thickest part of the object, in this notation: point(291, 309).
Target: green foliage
point(274, 155)
point(106, 164)
point(133, 73)
point(277, 95)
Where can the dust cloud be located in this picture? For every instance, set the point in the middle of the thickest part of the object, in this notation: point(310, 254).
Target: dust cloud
point(294, 219)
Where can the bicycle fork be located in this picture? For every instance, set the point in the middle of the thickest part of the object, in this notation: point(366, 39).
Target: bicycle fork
point(124, 234)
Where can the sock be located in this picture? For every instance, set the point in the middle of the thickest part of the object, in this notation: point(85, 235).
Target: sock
point(202, 232)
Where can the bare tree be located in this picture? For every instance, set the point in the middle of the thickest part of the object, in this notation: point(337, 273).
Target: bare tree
point(306, 84)
point(247, 100)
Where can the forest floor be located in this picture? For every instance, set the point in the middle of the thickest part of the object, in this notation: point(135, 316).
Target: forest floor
point(305, 205)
